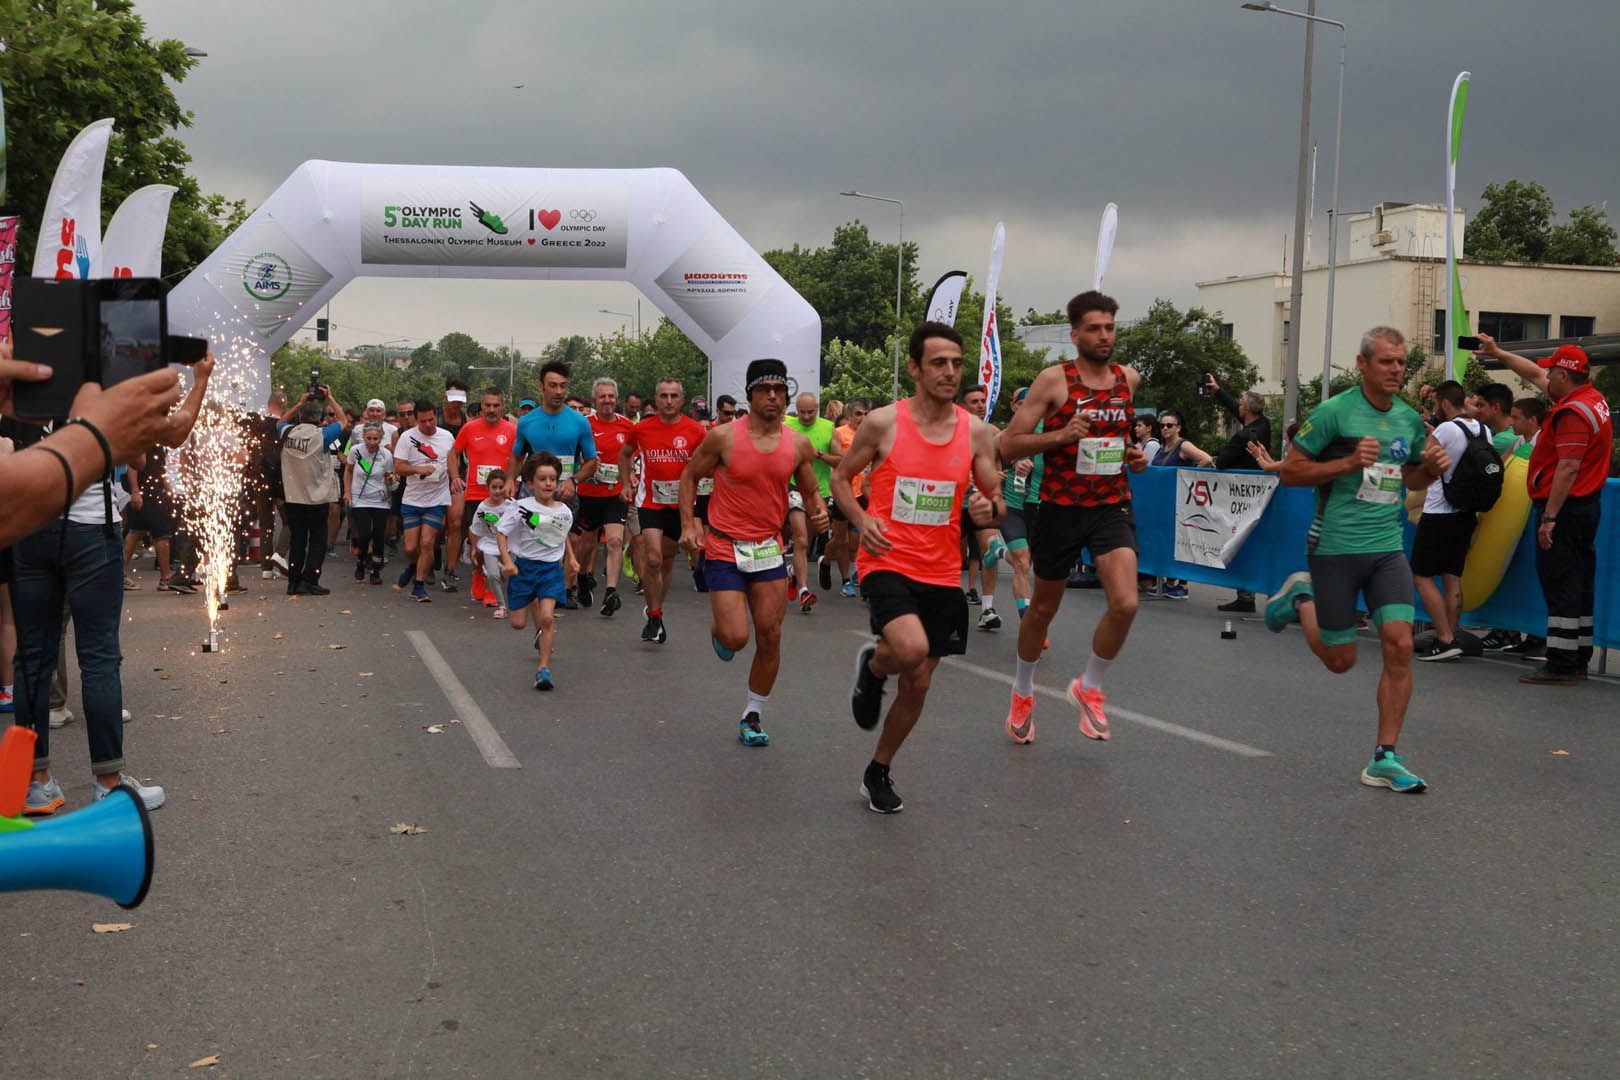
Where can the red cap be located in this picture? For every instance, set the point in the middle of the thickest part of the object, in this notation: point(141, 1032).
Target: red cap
point(1568, 357)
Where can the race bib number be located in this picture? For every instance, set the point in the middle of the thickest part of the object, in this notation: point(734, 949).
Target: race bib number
point(705, 486)
point(606, 475)
point(666, 492)
point(567, 465)
point(1099, 457)
point(482, 475)
point(923, 502)
point(754, 557)
point(1380, 483)
point(549, 529)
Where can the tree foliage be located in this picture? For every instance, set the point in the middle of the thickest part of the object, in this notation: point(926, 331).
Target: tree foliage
point(70, 62)
point(851, 283)
point(1515, 224)
point(1172, 348)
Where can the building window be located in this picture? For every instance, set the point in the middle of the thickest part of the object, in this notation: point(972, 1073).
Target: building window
point(1285, 331)
point(1575, 325)
point(1226, 330)
point(1512, 326)
point(1438, 345)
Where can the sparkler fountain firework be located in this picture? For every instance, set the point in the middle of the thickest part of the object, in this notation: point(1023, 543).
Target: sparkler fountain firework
point(214, 468)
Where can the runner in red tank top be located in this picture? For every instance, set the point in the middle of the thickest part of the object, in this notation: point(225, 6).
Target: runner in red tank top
point(601, 511)
point(1085, 504)
point(923, 451)
point(751, 461)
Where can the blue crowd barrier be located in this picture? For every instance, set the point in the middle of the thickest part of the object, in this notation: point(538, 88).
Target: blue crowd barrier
point(1276, 549)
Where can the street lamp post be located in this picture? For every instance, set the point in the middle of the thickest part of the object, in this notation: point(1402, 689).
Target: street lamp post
point(1297, 282)
point(626, 316)
point(1333, 214)
point(899, 280)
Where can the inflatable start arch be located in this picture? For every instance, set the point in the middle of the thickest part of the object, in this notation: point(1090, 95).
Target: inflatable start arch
point(332, 221)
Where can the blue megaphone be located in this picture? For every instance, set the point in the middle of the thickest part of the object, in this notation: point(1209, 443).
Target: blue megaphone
point(104, 848)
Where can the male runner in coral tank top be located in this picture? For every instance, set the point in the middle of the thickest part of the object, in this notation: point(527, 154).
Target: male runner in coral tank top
point(923, 450)
point(751, 460)
point(1085, 504)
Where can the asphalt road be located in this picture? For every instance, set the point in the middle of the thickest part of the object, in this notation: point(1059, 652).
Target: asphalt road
point(1211, 894)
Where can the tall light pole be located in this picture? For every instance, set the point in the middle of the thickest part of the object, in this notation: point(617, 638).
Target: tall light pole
point(1297, 282)
point(1333, 214)
point(899, 281)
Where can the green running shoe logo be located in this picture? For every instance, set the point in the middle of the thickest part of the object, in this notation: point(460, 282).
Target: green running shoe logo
point(490, 221)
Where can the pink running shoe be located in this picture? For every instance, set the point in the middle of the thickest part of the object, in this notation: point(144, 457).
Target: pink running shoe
point(1021, 719)
point(1089, 700)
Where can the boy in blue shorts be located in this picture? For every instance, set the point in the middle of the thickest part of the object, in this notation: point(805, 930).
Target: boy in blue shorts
point(533, 541)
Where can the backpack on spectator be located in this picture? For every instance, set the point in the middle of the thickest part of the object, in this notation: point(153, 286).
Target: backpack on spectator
point(1476, 481)
point(272, 467)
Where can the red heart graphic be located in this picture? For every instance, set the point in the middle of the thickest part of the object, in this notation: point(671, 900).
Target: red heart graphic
point(531, 239)
point(549, 218)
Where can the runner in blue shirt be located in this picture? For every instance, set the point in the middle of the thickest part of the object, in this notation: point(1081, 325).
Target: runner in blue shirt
point(562, 431)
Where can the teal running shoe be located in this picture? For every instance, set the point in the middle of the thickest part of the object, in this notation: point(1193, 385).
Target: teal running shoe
point(994, 552)
point(720, 650)
point(1391, 772)
point(542, 679)
point(749, 732)
point(1280, 611)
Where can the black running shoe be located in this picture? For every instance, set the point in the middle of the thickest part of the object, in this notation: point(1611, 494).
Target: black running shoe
point(878, 791)
point(824, 573)
point(662, 636)
point(311, 587)
point(583, 592)
point(611, 602)
point(866, 696)
point(654, 630)
point(571, 603)
point(359, 571)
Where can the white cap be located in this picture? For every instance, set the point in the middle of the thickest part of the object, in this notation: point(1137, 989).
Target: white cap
point(456, 395)
point(375, 403)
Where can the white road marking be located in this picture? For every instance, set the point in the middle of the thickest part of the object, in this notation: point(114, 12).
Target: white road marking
point(483, 733)
point(1114, 711)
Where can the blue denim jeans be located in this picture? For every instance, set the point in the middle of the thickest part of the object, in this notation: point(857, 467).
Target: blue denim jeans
point(84, 567)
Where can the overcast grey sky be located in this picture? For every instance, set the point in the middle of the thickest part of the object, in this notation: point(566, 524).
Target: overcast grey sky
point(1035, 112)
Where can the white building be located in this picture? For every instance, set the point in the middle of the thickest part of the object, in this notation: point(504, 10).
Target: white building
point(1393, 274)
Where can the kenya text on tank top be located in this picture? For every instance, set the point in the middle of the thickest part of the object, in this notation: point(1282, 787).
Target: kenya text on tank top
point(1092, 471)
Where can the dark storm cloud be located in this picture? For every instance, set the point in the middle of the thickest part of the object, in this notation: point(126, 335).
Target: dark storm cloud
point(1186, 114)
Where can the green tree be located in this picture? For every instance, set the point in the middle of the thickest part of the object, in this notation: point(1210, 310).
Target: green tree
point(1587, 240)
point(70, 62)
point(637, 362)
point(1172, 348)
point(1513, 223)
point(1516, 225)
point(851, 284)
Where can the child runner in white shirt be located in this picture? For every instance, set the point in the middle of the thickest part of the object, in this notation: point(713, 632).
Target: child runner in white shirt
point(533, 541)
point(484, 531)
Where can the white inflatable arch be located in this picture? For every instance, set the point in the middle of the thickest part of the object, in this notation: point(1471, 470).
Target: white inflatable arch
point(332, 221)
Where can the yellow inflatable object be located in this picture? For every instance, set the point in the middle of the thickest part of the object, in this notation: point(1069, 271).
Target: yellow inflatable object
point(1497, 535)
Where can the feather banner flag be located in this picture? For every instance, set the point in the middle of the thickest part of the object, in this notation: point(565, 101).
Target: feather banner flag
point(1456, 313)
point(990, 336)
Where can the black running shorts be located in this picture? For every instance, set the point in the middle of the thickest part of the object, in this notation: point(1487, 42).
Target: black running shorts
point(596, 511)
point(942, 608)
point(1060, 533)
point(1441, 544)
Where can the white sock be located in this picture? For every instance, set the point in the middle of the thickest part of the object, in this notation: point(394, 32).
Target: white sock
point(1096, 668)
point(1024, 678)
point(756, 703)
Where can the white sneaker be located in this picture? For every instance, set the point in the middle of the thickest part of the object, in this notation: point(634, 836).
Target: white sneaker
point(151, 795)
point(266, 575)
point(127, 716)
point(61, 717)
point(280, 561)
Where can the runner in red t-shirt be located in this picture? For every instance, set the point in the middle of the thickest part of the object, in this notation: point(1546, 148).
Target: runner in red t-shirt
point(601, 511)
point(487, 443)
point(751, 460)
point(665, 442)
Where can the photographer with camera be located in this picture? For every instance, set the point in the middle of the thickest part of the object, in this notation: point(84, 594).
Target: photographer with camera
point(1254, 429)
point(310, 478)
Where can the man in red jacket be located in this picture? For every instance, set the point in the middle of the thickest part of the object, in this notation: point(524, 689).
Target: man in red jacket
point(1568, 468)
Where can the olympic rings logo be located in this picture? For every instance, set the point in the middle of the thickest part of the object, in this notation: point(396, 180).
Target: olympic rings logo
point(582, 215)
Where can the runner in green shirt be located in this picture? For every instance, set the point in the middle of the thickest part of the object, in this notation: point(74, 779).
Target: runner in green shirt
point(820, 431)
point(1360, 450)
